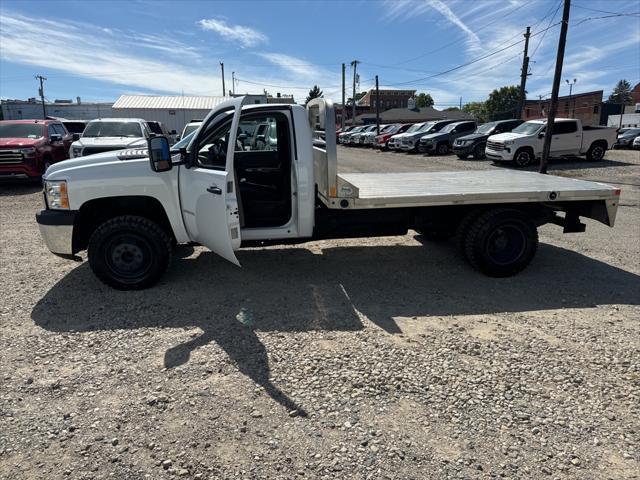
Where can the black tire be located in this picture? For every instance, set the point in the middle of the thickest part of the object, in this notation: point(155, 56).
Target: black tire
point(461, 156)
point(129, 252)
point(442, 148)
point(523, 157)
point(478, 151)
point(463, 228)
point(596, 152)
point(501, 242)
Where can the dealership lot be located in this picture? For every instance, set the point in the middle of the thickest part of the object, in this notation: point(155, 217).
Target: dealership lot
point(401, 362)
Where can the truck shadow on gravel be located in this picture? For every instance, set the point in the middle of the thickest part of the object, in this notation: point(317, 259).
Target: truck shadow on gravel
point(569, 163)
point(297, 290)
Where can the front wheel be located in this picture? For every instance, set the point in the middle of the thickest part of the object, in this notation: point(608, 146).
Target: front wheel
point(442, 149)
point(501, 242)
point(129, 252)
point(595, 152)
point(478, 151)
point(523, 158)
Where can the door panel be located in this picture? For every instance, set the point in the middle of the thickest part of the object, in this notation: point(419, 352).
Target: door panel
point(565, 143)
point(208, 194)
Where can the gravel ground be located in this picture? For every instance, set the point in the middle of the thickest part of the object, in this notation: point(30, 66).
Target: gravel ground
point(387, 359)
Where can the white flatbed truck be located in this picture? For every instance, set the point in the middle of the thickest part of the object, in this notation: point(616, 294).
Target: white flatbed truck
point(129, 208)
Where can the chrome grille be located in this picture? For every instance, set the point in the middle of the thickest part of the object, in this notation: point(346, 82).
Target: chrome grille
point(92, 150)
point(495, 146)
point(10, 156)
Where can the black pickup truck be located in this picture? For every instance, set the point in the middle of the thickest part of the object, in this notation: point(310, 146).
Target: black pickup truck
point(475, 143)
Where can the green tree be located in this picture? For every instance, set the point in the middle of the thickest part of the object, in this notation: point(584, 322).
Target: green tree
point(358, 97)
point(451, 109)
point(503, 103)
point(477, 109)
point(315, 92)
point(424, 100)
point(621, 93)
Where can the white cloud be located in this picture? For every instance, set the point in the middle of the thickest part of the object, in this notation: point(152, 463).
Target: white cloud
point(248, 37)
point(446, 12)
point(291, 64)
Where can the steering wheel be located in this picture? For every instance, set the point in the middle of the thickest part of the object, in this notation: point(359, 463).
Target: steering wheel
point(216, 154)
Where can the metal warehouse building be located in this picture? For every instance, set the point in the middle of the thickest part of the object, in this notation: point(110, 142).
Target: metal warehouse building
point(175, 111)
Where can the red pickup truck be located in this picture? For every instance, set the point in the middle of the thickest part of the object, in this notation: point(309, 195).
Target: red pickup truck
point(28, 147)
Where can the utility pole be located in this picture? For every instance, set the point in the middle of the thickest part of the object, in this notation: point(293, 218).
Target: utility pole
point(377, 107)
point(572, 108)
point(223, 89)
point(41, 92)
point(354, 64)
point(525, 72)
point(233, 83)
point(553, 106)
point(344, 107)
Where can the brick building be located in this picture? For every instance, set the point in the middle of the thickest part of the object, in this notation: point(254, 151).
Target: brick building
point(583, 106)
point(388, 99)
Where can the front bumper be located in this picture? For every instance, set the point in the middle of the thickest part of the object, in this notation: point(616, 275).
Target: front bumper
point(426, 147)
point(26, 169)
point(56, 229)
point(502, 156)
point(462, 149)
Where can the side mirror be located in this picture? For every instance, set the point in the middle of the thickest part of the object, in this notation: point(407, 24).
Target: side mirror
point(172, 132)
point(541, 135)
point(56, 137)
point(159, 155)
point(242, 137)
point(76, 136)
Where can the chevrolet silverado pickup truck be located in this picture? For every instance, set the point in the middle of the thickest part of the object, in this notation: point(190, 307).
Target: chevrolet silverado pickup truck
point(28, 147)
point(524, 143)
point(129, 208)
point(106, 134)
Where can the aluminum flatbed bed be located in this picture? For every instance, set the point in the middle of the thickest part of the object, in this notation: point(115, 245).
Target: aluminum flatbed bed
point(421, 189)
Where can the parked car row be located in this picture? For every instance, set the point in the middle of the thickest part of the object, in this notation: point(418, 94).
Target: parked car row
point(628, 138)
point(513, 140)
point(28, 147)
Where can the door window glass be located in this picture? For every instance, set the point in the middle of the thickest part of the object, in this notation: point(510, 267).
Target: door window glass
point(59, 129)
point(564, 127)
point(51, 131)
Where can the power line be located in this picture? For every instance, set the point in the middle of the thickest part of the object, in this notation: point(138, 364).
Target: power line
point(603, 11)
point(545, 32)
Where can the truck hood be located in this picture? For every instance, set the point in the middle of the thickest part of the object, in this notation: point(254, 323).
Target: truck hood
point(501, 137)
point(19, 142)
point(474, 136)
point(97, 159)
point(434, 136)
point(110, 142)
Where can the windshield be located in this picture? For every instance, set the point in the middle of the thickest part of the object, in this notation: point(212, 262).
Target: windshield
point(528, 128)
point(486, 128)
point(21, 130)
point(414, 127)
point(426, 127)
point(113, 129)
point(184, 142)
point(449, 127)
point(632, 132)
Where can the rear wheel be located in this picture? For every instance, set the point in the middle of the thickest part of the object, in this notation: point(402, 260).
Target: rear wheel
point(523, 157)
point(501, 242)
point(478, 151)
point(129, 252)
point(596, 152)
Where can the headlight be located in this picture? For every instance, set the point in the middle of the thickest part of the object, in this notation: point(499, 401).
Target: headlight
point(28, 152)
point(428, 140)
point(76, 151)
point(56, 192)
point(508, 142)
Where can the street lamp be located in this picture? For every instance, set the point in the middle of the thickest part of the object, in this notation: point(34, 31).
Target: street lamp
point(571, 84)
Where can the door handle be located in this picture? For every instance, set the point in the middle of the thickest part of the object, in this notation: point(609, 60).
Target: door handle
point(215, 190)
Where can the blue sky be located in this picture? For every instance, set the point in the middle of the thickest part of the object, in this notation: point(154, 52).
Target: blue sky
point(99, 50)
